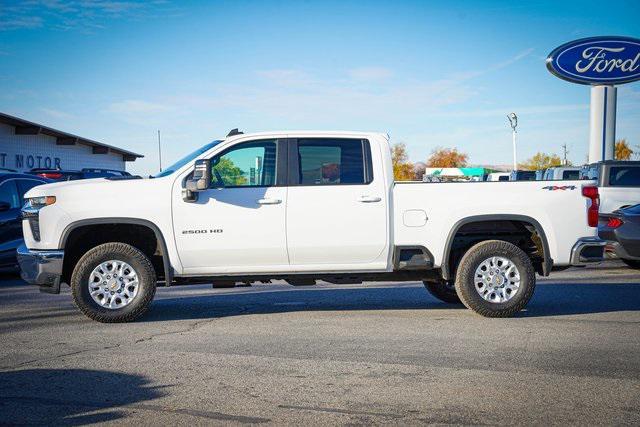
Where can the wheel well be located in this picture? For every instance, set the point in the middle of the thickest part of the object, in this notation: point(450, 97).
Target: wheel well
point(84, 237)
point(521, 233)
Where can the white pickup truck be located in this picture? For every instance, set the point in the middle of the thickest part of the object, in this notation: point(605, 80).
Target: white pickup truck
point(618, 183)
point(301, 207)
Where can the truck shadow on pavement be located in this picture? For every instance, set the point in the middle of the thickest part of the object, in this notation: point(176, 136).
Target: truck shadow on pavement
point(550, 299)
point(70, 396)
point(81, 397)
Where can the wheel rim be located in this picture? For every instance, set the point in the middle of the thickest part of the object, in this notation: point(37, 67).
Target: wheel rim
point(113, 284)
point(497, 279)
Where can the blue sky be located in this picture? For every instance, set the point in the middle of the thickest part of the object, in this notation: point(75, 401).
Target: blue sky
point(429, 73)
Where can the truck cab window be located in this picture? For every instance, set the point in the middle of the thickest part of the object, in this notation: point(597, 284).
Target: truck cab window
point(252, 164)
point(331, 161)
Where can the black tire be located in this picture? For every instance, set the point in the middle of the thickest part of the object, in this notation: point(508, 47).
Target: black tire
point(466, 283)
point(632, 263)
point(444, 291)
point(114, 251)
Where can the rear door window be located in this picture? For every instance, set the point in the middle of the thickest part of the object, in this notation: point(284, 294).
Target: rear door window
point(326, 161)
point(624, 176)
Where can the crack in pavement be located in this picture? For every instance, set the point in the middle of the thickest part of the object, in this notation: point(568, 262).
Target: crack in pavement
point(190, 328)
point(340, 411)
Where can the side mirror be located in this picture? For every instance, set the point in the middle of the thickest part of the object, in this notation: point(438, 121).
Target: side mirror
point(201, 178)
point(4, 206)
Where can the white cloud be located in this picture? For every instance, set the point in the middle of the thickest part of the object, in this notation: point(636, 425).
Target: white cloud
point(144, 113)
point(76, 14)
point(136, 106)
point(522, 110)
point(369, 73)
point(285, 77)
point(8, 23)
point(57, 114)
point(459, 77)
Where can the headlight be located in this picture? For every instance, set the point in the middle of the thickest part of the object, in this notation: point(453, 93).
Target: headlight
point(40, 202)
point(31, 212)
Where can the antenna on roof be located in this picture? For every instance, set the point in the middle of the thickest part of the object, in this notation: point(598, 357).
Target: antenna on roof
point(234, 132)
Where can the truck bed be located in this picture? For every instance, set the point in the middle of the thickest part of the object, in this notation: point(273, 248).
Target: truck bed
point(429, 212)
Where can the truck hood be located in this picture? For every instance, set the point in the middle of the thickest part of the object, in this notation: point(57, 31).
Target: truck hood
point(86, 187)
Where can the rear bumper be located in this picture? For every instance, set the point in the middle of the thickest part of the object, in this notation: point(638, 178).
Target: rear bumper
point(588, 250)
point(620, 251)
point(43, 268)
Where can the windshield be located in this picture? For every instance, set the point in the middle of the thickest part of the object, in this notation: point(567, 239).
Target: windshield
point(186, 159)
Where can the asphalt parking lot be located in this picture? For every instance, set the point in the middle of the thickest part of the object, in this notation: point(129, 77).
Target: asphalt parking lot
point(328, 354)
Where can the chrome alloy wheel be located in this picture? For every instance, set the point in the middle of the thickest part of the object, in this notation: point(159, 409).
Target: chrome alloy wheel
point(113, 284)
point(497, 279)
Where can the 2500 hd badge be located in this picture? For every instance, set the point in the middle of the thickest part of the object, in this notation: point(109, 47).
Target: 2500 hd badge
point(204, 231)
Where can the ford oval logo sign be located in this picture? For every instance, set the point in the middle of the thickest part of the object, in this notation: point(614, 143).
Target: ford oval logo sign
point(597, 60)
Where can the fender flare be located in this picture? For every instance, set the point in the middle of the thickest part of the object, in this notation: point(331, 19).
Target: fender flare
point(546, 265)
point(168, 271)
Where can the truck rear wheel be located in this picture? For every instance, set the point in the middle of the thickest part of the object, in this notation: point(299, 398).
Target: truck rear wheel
point(495, 279)
point(113, 283)
point(444, 291)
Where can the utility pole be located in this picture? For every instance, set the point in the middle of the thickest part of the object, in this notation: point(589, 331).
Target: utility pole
point(513, 121)
point(159, 151)
point(565, 162)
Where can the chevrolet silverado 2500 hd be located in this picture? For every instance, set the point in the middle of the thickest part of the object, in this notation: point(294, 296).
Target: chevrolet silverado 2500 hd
point(301, 207)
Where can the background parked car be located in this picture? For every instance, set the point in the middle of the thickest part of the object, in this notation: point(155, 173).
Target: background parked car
point(622, 229)
point(498, 176)
point(12, 189)
point(71, 175)
point(618, 182)
point(522, 176)
point(561, 173)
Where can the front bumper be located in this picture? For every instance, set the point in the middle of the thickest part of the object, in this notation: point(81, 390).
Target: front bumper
point(41, 267)
point(588, 250)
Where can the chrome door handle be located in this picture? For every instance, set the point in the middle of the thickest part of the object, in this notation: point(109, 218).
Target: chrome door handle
point(369, 199)
point(269, 201)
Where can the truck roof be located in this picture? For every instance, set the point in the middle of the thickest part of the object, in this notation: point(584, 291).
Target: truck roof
point(308, 133)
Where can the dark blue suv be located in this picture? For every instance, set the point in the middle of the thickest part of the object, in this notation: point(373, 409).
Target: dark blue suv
point(12, 189)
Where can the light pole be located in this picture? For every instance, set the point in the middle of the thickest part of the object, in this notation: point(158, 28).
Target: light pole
point(159, 151)
point(513, 121)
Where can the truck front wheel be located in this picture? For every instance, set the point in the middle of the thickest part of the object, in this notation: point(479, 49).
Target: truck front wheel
point(113, 283)
point(443, 290)
point(495, 279)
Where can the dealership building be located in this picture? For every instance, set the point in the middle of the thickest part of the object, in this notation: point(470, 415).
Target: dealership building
point(25, 145)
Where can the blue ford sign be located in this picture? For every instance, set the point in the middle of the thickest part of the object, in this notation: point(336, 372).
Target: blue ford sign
point(597, 60)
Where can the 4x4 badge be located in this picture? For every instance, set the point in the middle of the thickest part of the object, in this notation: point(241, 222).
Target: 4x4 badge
point(559, 187)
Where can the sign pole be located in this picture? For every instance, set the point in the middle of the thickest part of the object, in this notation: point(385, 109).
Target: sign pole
point(602, 123)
